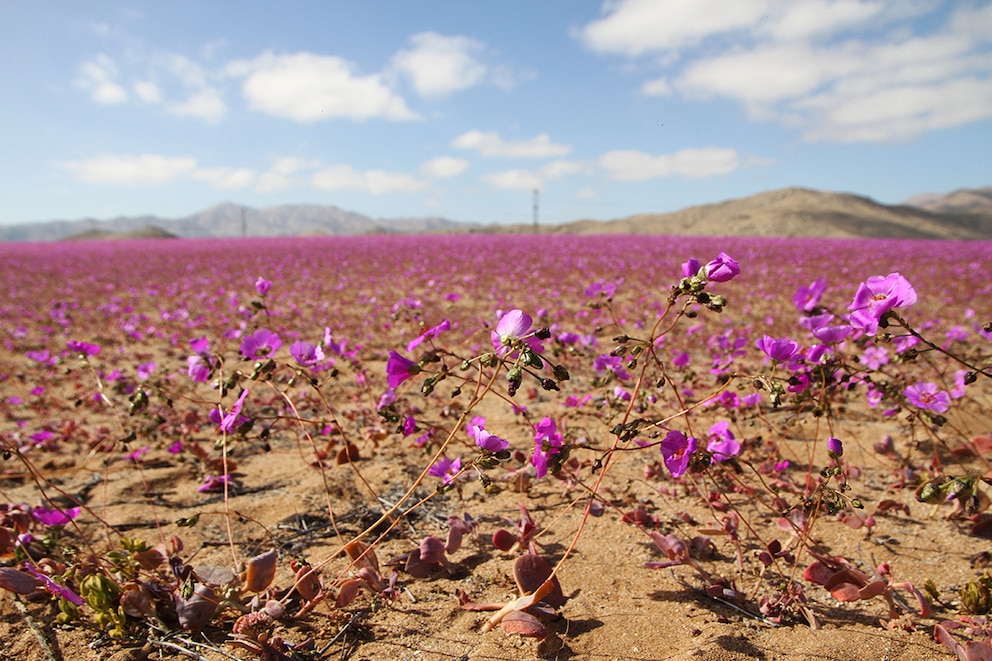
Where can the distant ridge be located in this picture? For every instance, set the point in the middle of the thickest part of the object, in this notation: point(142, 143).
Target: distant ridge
point(787, 212)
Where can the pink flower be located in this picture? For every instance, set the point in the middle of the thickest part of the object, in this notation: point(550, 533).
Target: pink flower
point(262, 286)
point(722, 269)
point(779, 350)
point(925, 395)
point(876, 296)
point(260, 344)
point(807, 298)
point(446, 469)
point(513, 330)
point(54, 517)
point(214, 483)
point(722, 444)
point(233, 420)
point(54, 588)
point(428, 334)
point(305, 353)
point(676, 449)
point(547, 442)
point(85, 349)
point(399, 369)
point(488, 442)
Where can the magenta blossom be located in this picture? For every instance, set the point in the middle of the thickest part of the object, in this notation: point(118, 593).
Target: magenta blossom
point(778, 349)
point(86, 349)
point(835, 447)
point(547, 442)
point(214, 483)
point(305, 353)
point(55, 517)
point(691, 267)
point(722, 269)
point(676, 449)
point(54, 588)
point(925, 395)
point(262, 286)
point(233, 420)
point(488, 442)
point(399, 369)
point(428, 334)
point(260, 344)
point(513, 330)
point(198, 369)
point(807, 298)
point(877, 296)
point(446, 469)
point(722, 444)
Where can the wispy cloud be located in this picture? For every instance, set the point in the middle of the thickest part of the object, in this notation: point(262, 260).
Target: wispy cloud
point(444, 166)
point(376, 182)
point(632, 165)
point(99, 77)
point(307, 88)
point(842, 71)
point(492, 145)
point(129, 170)
point(521, 179)
point(438, 65)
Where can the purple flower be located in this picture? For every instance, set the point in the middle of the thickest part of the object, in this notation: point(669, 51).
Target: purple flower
point(547, 442)
point(200, 345)
point(691, 267)
point(612, 363)
point(198, 369)
point(835, 447)
point(676, 450)
point(607, 289)
point(807, 298)
point(145, 370)
point(54, 517)
point(925, 395)
point(260, 344)
point(446, 469)
point(428, 334)
point(722, 269)
point(54, 588)
point(43, 356)
point(399, 369)
point(305, 353)
point(722, 444)
point(778, 349)
point(214, 483)
point(136, 455)
point(832, 334)
point(510, 333)
point(85, 349)
point(488, 442)
point(876, 296)
point(262, 286)
point(234, 419)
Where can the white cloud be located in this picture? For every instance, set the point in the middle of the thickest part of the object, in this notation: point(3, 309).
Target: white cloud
point(306, 87)
point(518, 179)
point(656, 87)
point(126, 170)
point(491, 144)
point(206, 104)
point(636, 27)
point(632, 165)
point(226, 178)
point(514, 180)
point(443, 166)
point(586, 193)
point(148, 92)
point(836, 70)
point(99, 77)
point(377, 182)
point(438, 65)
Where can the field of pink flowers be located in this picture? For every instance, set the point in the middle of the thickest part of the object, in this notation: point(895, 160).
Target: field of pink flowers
point(496, 447)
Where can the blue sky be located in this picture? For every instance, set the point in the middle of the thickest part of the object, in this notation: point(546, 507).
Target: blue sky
point(462, 109)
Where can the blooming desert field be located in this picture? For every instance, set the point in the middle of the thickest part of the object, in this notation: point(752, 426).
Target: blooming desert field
point(496, 447)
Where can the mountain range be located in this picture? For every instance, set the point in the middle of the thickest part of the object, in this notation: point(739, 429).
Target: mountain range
point(788, 212)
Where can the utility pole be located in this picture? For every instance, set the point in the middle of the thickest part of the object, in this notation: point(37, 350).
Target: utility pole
point(244, 224)
point(536, 197)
